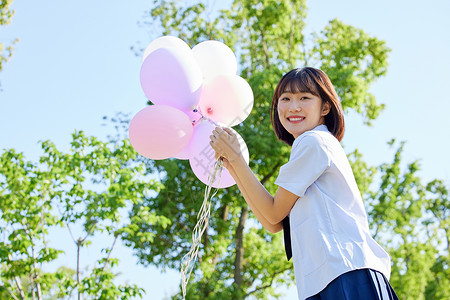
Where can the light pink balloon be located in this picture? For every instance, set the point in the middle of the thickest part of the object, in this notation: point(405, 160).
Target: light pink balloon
point(183, 154)
point(164, 42)
point(171, 76)
point(227, 99)
point(160, 131)
point(202, 156)
point(194, 116)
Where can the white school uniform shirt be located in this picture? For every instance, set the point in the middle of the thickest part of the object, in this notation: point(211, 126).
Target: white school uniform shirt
point(329, 228)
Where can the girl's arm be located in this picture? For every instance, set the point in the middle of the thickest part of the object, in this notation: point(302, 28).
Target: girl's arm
point(273, 209)
point(273, 228)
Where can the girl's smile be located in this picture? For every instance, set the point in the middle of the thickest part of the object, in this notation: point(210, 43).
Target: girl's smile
point(295, 119)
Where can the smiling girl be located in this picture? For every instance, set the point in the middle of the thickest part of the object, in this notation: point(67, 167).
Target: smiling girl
point(317, 203)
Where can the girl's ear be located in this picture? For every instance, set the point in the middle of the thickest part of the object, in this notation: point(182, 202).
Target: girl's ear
point(326, 107)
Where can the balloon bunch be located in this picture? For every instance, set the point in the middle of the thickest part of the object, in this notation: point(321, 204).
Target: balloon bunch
point(193, 91)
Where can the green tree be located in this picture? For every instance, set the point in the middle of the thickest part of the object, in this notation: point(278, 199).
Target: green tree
point(6, 14)
point(87, 191)
point(239, 259)
point(438, 206)
point(410, 219)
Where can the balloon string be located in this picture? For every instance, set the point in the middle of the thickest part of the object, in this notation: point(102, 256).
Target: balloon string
point(195, 122)
point(188, 261)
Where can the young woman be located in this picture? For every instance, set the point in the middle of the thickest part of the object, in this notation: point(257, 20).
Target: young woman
point(334, 255)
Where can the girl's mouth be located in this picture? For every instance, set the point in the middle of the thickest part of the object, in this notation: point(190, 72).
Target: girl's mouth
point(295, 119)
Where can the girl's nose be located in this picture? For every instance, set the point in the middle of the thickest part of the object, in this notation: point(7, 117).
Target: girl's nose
point(295, 106)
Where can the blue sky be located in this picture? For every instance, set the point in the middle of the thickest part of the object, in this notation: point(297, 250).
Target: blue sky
point(73, 65)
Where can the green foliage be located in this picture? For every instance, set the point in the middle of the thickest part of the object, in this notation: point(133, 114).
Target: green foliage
point(410, 220)
point(86, 191)
point(353, 60)
point(5, 12)
point(438, 225)
point(364, 174)
point(270, 33)
point(5, 18)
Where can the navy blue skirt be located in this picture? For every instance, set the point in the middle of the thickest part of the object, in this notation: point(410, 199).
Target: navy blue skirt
point(356, 285)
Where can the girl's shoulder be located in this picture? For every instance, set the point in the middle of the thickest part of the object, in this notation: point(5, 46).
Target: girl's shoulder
point(320, 142)
point(309, 144)
point(318, 137)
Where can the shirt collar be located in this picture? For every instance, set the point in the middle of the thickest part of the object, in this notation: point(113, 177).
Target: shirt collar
point(321, 127)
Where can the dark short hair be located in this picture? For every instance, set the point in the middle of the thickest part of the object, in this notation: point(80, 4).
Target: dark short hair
point(313, 81)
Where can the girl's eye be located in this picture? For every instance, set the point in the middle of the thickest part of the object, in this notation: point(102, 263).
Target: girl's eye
point(284, 99)
point(304, 98)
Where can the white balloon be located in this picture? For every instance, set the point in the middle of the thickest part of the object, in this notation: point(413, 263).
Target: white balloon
point(227, 99)
point(215, 58)
point(164, 42)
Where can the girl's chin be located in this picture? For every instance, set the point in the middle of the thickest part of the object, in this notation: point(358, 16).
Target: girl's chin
point(296, 134)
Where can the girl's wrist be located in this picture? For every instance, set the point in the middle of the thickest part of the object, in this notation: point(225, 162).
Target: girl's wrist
point(237, 161)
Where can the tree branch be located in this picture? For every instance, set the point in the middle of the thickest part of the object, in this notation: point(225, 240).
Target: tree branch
point(33, 292)
point(17, 281)
point(109, 254)
point(9, 292)
point(79, 242)
point(89, 232)
point(239, 258)
point(270, 174)
point(70, 231)
point(269, 284)
point(35, 276)
point(19, 287)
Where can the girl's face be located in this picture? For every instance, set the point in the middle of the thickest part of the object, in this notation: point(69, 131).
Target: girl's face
point(300, 111)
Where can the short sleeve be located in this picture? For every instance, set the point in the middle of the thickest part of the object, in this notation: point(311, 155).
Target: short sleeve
point(309, 159)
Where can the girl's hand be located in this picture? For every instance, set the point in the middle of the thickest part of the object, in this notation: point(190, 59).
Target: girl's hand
point(226, 145)
point(225, 162)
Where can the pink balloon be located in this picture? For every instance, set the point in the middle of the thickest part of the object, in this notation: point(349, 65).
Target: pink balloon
point(183, 154)
point(171, 76)
point(164, 42)
point(202, 158)
point(227, 99)
point(160, 131)
point(194, 116)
